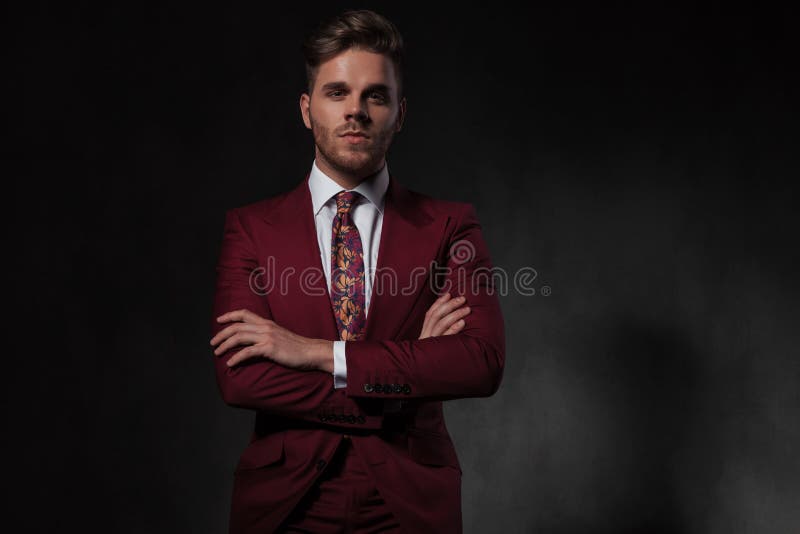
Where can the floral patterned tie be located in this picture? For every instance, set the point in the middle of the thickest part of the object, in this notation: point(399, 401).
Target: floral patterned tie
point(347, 271)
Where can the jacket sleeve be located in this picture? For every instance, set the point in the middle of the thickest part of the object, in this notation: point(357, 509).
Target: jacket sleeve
point(467, 364)
point(258, 383)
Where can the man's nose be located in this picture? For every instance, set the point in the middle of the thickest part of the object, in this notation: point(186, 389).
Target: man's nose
point(356, 110)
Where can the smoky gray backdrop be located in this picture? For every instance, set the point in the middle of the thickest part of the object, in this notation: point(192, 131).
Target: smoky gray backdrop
point(641, 161)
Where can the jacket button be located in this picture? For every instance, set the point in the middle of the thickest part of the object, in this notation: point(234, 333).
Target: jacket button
point(398, 388)
point(361, 419)
point(368, 388)
point(320, 465)
point(323, 417)
point(378, 388)
point(351, 418)
point(406, 389)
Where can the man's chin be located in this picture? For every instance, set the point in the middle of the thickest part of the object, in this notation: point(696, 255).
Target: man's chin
point(355, 163)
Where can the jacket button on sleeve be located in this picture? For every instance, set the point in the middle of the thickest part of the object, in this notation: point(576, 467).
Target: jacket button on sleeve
point(378, 388)
point(368, 388)
point(406, 389)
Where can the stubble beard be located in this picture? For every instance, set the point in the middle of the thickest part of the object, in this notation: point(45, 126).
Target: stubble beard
point(354, 160)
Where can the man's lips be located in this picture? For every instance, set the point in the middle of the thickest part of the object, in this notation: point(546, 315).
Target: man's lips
point(354, 137)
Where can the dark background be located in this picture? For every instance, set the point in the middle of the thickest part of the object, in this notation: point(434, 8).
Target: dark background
point(642, 160)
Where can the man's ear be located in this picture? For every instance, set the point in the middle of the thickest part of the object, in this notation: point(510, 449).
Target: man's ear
point(305, 109)
point(401, 115)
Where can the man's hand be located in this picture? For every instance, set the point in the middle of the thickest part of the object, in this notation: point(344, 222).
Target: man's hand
point(444, 317)
point(265, 339)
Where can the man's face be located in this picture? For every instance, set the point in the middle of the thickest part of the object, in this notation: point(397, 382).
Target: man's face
point(353, 112)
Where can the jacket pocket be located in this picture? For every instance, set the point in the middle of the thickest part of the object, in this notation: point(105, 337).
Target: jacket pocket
point(262, 452)
point(432, 449)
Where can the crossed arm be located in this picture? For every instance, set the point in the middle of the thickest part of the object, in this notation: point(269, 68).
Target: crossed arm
point(264, 338)
point(263, 366)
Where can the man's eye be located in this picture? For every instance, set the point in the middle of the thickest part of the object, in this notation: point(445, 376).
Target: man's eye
point(377, 96)
point(335, 93)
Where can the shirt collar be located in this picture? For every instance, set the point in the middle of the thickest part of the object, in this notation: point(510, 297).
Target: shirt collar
point(323, 188)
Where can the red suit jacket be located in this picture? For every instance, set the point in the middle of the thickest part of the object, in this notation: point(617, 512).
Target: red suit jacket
point(270, 264)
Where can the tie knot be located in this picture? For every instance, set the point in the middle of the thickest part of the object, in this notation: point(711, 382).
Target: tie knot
point(345, 199)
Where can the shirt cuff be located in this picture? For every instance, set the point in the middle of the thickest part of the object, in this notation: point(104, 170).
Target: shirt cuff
point(339, 365)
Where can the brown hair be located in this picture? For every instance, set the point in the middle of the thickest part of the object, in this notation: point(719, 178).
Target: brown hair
point(363, 29)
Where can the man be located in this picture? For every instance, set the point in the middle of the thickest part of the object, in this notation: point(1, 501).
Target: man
point(336, 317)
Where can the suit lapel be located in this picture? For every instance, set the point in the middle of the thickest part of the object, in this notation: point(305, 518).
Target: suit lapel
point(297, 253)
point(409, 242)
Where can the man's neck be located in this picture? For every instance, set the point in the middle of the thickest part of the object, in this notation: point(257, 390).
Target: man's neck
point(346, 180)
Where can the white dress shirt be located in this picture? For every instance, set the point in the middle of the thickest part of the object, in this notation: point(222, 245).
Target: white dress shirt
point(367, 215)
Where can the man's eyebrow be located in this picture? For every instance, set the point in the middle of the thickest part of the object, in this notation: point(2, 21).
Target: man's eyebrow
point(378, 87)
point(343, 85)
point(334, 85)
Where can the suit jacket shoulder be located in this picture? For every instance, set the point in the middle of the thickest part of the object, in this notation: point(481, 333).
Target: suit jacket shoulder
point(437, 207)
point(261, 210)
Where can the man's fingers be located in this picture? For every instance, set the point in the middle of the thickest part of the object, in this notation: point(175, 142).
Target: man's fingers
point(253, 351)
point(241, 315)
point(240, 338)
point(438, 302)
point(447, 307)
point(455, 328)
point(228, 331)
point(225, 333)
point(446, 315)
point(448, 320)
point(442, 314)
point(240, 356)
point(235, 315)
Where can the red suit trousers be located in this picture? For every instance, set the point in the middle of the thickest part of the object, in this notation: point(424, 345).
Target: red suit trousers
point(344, 500)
